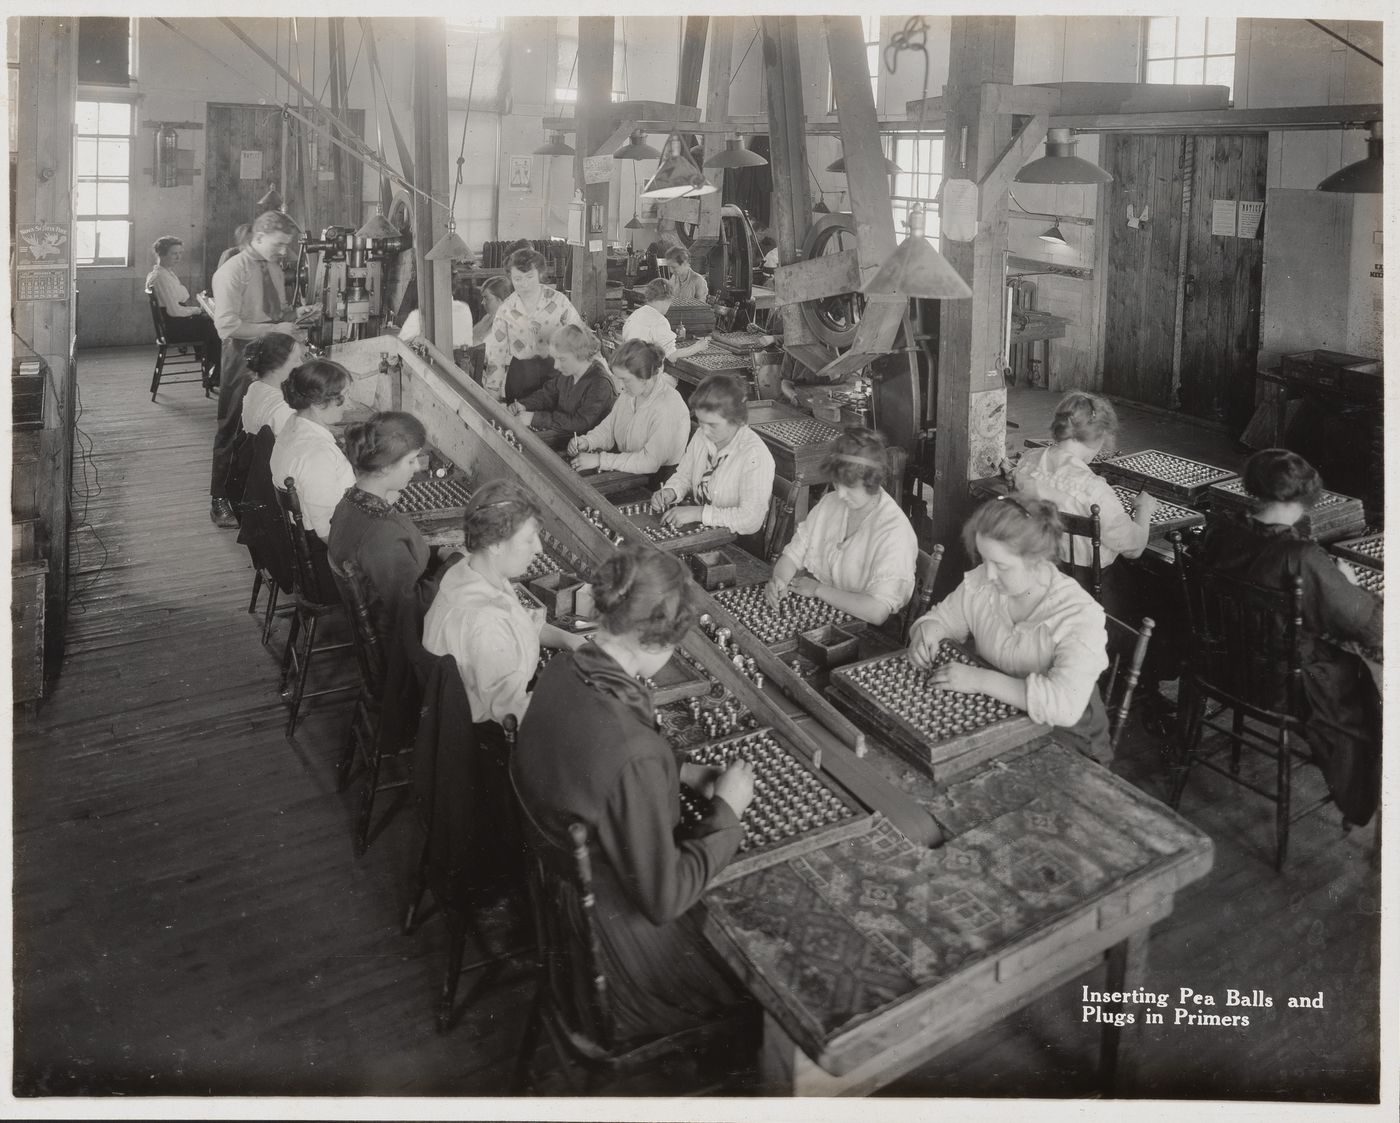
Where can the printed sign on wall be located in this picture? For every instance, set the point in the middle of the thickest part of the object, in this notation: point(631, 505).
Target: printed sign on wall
point(520, 169)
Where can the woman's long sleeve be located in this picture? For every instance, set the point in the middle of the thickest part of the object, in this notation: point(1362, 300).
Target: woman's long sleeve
point(1058, 696)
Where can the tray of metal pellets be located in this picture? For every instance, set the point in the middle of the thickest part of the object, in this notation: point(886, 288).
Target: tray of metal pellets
point(1369, 549)
point(707, 362)
point(1164, 475)
point(1369, 578)
point(741, 342)
point(676, 539)
point(797, 432)
point(778, 628)
point(796, 807)
point(1333, 517)
point(424, 500)
point(943, 732)
point(1167, 516)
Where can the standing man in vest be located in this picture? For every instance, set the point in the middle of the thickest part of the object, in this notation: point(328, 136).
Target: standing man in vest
point(249, 301)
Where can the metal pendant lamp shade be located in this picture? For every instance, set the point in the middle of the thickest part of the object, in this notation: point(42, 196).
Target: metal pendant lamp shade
point(821, 207)
point(636, 224)
point(839, 165)
point(637, 148)
point(555, 147)
point(1055, 236)
point(1060, 164)
point(271, 200)
point(449, 247)
point(735, 155)
point(378, 226)
point(1365, 176)
point(917, 270)
point(678, 174)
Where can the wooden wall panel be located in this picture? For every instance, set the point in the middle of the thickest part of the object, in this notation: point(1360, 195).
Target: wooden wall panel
point(1140, 312)
point(1220, 322)
point(230, 201)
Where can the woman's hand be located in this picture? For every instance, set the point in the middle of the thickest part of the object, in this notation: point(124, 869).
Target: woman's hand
point(735, 786)
point(805, 584)
point(663, 499)
point(576, 445)
point(683, 516)
point(924, 639)
point(957, 677)
point(775, 591)
point(700, 778)
point(1144, 507)
point(526, 416)
point(515, 408)
point(586, 460)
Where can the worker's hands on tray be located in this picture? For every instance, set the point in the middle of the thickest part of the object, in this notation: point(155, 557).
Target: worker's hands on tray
point(924, 638)
point(683, 516)
point(775, 591)
point(663, 499)
point(804, 584)
point(586, 461)
point(1144, 506)
point(957, 677)
point(735, 786)
point(700, 777)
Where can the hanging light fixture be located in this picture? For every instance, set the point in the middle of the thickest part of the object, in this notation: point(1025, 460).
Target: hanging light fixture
point(271, 200)
point(556, 146)
point(839, 165)
point(1054, 235)
point(637, 148)
point(821, 207)
point(635, 224)
point(449, 247)
point(378, 226)
point(735, 155)
point(1060, 164)
point(678, 174)
point(917, 270)
point(1365, 176)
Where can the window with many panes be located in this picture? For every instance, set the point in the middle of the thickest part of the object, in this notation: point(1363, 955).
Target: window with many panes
point(1189, 51)
point(566, 60)
point(102, 223)
point(920, 159)
point(870, 33)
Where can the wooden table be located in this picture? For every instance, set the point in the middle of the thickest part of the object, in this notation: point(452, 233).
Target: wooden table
point(872, 956)
point(807, 459)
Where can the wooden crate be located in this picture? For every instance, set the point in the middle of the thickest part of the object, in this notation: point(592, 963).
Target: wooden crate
point(678, 540)
point(787, 787)
point(1369, 550)
point(942, 732)
point(1164, 475)
point(777, 629)
point(1167, 516)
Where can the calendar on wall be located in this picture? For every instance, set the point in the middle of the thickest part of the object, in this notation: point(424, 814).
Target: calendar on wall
point(42, 284)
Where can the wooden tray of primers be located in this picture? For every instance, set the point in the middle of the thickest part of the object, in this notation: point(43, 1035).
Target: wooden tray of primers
point(1164, 475)
point(677, 539)
point(740, 342)
point(1333, 517)
point(1367, 550)
point(941, 731)
point(717, 358)
point(1167, 516)
point(433, 500)
point(797, 432)
point(1370, 578)
point(777, 628)
point(796, 808)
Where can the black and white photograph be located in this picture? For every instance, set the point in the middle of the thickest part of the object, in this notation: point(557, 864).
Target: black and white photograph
point(603, 562)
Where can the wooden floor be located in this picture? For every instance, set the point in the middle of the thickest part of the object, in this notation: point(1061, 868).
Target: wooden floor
point(190, 919)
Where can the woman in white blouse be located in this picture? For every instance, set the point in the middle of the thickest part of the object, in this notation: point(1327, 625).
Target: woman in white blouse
point(856, 549)
point(476, 616)
point(647, 428)
point(1043, 635)
point(649, 322)
point(269, 358)
point(306, 449)
point(726, 471)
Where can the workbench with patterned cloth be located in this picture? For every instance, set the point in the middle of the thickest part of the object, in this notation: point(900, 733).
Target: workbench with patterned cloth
point(872, 955)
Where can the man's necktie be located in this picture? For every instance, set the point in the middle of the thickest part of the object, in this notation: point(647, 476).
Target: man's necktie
point(272, 293)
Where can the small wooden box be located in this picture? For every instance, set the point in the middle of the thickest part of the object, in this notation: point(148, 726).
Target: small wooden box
point(714, 569)
point(828, 646)
point(557, 592)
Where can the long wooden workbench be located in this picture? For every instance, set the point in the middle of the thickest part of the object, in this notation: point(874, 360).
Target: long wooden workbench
point(950, 908)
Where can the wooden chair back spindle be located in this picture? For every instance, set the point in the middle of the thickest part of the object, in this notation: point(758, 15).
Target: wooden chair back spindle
point(1086, 526)
point(781, 523)
point(1127, 651)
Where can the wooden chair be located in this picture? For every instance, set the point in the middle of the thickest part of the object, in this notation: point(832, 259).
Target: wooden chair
point(1085, 526)
point(177, 354)
point(1127, 650)
point(260, 529)
point(366, 740)
point(780, 515)
point(461, 797)
point(572, 1003)
point(925, 574)
point(315, 599)
point(1244, 653)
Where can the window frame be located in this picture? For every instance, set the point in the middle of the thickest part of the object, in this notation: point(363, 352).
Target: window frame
point(902, 203)
point(98, 178)
point(878, 43)
point(1205, 55)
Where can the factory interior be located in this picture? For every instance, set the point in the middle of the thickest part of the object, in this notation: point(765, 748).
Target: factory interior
point(745, 556)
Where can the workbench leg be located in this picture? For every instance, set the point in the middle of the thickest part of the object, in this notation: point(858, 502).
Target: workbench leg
point(785, 1070)
point(1127, 967)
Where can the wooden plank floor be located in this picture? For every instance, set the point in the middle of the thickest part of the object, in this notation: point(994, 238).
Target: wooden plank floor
point(190, 919)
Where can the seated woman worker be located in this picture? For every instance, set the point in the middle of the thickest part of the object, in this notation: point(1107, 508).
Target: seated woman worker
point(589, 753)
point(856, 549)
point(577, 398)
point(1043, 635)
point(649, 322)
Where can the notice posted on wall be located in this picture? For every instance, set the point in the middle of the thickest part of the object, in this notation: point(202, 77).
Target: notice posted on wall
point(1223, 223)
point(1251, 217)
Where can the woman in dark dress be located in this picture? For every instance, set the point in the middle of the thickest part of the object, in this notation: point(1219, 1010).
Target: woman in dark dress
point(588, 752)
point(1342, 724)
point(388, 548)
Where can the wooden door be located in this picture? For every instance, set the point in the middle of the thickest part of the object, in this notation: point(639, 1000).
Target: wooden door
point(1140, 317)
point(229, 200)
point(1221, 297)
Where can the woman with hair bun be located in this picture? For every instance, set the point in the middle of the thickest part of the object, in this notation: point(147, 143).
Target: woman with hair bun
point(855, 550)
point(387, 547)
point(647, 428)
point(269, 358)
point(576, 398)
point(1342, 725)
point(517, 348)
point(306, 449)
point(589, 752)
point(1083, 425)
point(476, 616)
point(1043, 635)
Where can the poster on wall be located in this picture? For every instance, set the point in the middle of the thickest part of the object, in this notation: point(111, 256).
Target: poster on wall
point(41, 245)
point(520, 168)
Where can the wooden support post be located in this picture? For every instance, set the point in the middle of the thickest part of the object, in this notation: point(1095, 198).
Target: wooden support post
point(792, 202)
point(716, 109)
point(692, 60)
point(595, 71)
point(430, 149)
point(43, 314)
point(971, 393)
